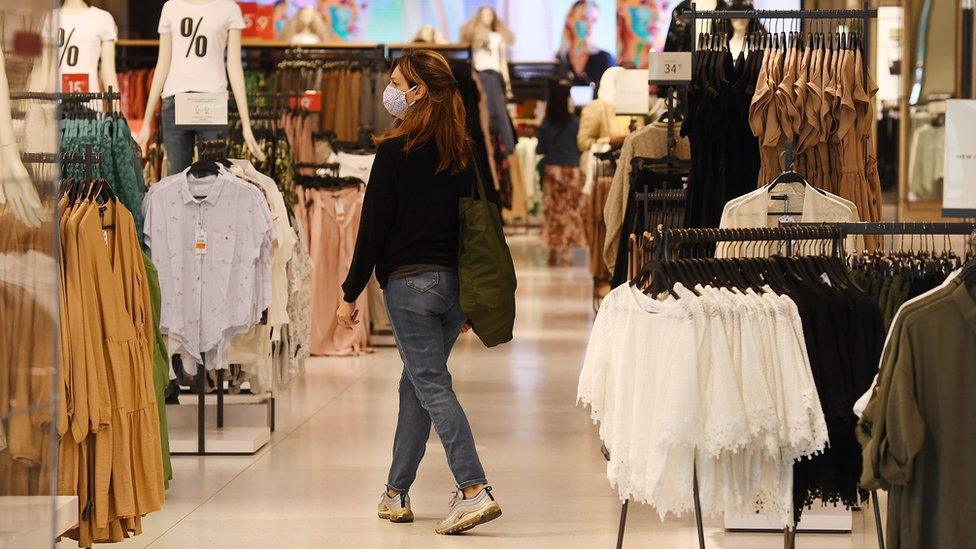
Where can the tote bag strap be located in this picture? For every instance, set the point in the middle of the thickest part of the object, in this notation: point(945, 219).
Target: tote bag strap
point(479, 180)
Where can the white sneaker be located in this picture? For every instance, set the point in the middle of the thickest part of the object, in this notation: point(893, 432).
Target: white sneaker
point(396, 508)
point(465, 514)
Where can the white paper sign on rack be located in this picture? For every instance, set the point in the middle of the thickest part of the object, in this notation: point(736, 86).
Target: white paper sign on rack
point(669, 67)
point(631, 94)
point(959, 187)
point(201, 110)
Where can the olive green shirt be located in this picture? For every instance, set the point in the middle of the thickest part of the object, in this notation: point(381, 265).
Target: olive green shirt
point(919, 430)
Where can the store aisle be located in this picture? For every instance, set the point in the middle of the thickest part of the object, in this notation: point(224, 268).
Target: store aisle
point(318, 483)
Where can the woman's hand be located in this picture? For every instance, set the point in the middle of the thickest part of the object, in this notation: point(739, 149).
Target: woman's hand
point(348, 315)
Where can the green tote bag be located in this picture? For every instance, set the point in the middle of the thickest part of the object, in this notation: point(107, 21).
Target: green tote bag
point(485, 269)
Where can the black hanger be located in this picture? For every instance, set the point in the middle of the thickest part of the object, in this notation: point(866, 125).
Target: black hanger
point(204, 168)
point(791, 176)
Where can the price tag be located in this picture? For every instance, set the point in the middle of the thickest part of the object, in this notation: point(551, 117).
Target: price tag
point(75, 83)
point(669, 67)
point(201, 110)
point(258, 21)
point(200, 241)
point(310, 101)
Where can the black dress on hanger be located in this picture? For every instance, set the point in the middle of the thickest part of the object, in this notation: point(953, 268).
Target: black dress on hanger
point(725, 154)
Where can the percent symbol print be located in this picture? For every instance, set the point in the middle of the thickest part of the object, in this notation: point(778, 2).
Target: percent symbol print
point(198, 42)
point(68, 49)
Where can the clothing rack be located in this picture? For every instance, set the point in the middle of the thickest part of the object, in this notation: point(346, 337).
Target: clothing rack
point(864, 14)
point(89, 158)
point(669, 242)
point(894, 229)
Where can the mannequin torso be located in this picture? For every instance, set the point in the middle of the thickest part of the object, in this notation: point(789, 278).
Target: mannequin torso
point(86, 42)
point(194, 36)
point(737, 42)
point(490, 57)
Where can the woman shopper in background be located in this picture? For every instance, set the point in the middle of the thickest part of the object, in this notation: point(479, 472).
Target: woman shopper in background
point(409, 233)
point(562, 184)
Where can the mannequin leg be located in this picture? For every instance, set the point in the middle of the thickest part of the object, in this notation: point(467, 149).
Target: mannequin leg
point(178, 143)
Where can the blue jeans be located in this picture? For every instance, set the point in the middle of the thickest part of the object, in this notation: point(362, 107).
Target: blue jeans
point(179, 143)
point(427, 320)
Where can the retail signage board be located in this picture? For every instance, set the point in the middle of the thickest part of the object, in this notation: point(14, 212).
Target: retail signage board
point(310, 101)
point(632, 94)
point(258, 21)
point(669, 67)
point(75, 83)
point(201, 110)
point(959, 186)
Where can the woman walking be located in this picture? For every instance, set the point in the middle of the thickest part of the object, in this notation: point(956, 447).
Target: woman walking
point(562, 184)
point(409, 233)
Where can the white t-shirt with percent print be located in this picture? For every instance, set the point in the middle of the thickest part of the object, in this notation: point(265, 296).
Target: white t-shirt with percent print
point(199, 37)
point(80, 37)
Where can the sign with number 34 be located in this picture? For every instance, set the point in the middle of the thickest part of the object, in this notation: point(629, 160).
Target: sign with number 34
point(669, 67)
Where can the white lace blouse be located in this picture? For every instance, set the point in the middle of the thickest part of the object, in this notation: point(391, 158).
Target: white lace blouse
point(714, 378)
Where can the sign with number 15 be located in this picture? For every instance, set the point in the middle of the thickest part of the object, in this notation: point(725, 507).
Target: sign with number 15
point(75, 83)
point(258, 21)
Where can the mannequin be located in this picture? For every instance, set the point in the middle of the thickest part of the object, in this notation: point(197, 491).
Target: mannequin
point(737, 42)
point(306, 27)
point(16, 187)
point(489, 38)
point(91, 48)
point(740, 28)
point(177, 25)
point(679, 32)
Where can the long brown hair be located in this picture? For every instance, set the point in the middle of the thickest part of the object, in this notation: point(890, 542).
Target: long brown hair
point(439, 115)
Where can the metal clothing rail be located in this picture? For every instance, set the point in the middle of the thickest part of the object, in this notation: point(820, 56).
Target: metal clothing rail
point(89, 158)
point(897, 228)
point(864, 14)
point(67, 97)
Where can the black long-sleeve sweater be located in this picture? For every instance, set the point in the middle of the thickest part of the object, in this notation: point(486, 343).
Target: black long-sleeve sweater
point(410, 215)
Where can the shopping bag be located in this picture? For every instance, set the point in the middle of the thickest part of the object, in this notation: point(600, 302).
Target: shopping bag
point(485, 268)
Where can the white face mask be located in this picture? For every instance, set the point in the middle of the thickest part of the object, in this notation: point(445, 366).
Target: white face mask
point(395, 101)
